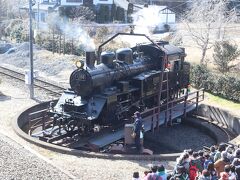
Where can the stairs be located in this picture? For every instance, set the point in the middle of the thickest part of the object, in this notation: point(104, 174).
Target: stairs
point(163, 97)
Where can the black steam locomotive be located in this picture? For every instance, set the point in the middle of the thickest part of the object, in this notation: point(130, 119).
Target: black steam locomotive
point(106, 93)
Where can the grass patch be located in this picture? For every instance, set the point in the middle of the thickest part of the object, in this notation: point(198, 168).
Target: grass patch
point(221, 102)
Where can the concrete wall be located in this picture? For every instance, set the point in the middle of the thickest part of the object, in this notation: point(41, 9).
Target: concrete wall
point(221, 116)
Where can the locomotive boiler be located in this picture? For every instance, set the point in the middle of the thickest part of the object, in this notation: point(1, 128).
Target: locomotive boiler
point(107, 93)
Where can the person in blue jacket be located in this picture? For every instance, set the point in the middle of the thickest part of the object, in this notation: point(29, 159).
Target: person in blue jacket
point(138, 124)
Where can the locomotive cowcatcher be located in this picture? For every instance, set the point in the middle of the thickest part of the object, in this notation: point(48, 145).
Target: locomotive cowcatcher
point(107, 93)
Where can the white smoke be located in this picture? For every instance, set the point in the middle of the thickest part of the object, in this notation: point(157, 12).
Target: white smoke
point(74, 31)
point(147, 19)
point(145, 22)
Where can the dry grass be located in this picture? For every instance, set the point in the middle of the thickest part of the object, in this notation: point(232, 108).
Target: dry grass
point(47, 56)
point(194, 53)
point(222, 103)
point(194, 56)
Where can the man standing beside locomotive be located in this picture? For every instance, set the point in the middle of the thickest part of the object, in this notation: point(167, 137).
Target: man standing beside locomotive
point(138, 126)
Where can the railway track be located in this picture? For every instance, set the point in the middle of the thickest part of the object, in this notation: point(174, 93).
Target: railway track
point(50, 88)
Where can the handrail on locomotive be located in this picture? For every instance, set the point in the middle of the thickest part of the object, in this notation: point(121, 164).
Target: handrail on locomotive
point(124, 34)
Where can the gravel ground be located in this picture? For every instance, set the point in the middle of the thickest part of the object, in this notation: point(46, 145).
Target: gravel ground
point(179, 137)
point(18, 163)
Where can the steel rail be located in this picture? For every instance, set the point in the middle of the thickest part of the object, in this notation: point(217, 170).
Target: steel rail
point(41, 84)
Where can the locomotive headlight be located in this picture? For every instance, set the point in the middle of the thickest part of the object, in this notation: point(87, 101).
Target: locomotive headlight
point(79, 64)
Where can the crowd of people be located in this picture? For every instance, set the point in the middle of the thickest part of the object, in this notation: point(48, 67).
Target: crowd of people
point(222, 162)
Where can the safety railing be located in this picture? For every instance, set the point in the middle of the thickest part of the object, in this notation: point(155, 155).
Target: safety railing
point(38, 119)
point(181, 103)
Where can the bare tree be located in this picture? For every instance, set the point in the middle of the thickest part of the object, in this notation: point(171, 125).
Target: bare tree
point(3, 6)
point(55, 26)
point(11, 9)
point(205, 20)
point(82, 14)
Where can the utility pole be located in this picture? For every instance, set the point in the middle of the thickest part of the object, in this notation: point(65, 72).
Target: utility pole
point(38, 14)
point(31, 83)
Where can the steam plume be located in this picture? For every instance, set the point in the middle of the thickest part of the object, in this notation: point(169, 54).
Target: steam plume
point(72, 30)
point(75, 32)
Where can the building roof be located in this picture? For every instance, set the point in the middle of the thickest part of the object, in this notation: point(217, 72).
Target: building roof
point(162, 8)
point(124, 4)
point(171, 49)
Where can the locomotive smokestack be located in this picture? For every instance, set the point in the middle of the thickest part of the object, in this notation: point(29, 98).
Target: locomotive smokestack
point(90, 58)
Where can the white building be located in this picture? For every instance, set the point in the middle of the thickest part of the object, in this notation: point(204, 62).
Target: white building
point(71, 2)
point(82, 2)
point(47, 1)
point(167, 15)
point(41, 11)
point(95, 2)
point(42, 8)
point(156, 18)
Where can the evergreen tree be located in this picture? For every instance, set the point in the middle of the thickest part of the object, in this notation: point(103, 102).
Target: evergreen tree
point(224, 54)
